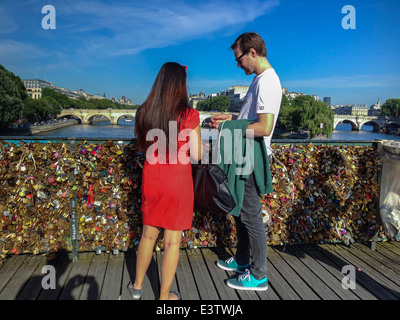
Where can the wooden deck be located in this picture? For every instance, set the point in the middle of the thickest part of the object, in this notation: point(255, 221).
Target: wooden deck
point(300, 272)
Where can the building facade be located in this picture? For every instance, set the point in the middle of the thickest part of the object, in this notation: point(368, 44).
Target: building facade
point(236, 95)
point(291, 95)
point(34, 87)
point(194, 99)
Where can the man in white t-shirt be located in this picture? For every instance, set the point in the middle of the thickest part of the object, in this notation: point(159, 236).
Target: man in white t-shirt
point(261, 104)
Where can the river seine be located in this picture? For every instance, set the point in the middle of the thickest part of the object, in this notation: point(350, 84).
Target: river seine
point(125, 131)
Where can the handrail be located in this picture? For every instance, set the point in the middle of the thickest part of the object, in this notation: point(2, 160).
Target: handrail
point(273, 141)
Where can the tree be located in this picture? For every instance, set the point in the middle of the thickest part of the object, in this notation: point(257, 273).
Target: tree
point(61, 98)
point(304, 112)
point(31, 110)
point(289, 115)
point(41, 109)
point(391, 108)
point(204, 105)
point(81, 102)
point(50, 106)
point(219, 103)
point(11, 97)
point(316, 116)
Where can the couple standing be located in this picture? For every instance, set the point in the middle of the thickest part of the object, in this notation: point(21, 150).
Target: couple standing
point(167, 189)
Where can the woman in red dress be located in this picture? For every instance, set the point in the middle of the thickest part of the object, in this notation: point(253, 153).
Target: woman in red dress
point(168, 131)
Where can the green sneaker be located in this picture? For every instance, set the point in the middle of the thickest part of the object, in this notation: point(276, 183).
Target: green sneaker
point(231, 265)
point(247, 281)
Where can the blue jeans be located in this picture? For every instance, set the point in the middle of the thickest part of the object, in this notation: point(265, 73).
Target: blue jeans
point(251, 233)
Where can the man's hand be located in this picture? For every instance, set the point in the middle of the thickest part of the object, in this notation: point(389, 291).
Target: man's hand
point(218, 118)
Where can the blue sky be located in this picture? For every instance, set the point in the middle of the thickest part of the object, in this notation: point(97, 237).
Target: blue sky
point(118, 46)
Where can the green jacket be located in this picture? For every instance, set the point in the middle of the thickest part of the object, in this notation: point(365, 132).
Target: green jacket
point(238, 160)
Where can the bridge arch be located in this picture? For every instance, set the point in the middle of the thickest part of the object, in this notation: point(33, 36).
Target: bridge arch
point(375, 125)
point(393, 123)
point(96, 116)
point(392, 126)
point(125, 116)
point(70, 116)
point(354, 125)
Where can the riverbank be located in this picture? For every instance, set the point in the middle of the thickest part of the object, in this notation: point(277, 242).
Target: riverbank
point(290, 135)
point(32, 130)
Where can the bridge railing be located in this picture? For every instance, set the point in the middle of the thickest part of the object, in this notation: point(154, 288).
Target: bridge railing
point(81, 195)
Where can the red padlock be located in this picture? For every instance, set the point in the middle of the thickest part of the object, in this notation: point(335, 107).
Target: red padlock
point(52, 181)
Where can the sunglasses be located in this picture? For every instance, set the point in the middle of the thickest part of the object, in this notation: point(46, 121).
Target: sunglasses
point(238, 58)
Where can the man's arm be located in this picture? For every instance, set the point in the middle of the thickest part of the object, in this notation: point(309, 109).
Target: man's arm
point(263, 127)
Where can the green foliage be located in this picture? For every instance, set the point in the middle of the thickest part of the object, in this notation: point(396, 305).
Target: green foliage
point(15, 103)
point(12, 95)
point(304, 112)
point(391, 108)
point(82, 102)
point(219, 103)
point(52, 102)
point(101, 104)
point(288, 118)
point(61, 98)
point(48, 106)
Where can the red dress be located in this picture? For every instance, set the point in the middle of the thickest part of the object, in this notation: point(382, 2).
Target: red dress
point(167, 189)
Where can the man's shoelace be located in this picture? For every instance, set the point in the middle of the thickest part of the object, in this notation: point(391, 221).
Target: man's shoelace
point(228, 261)
point(245, 276)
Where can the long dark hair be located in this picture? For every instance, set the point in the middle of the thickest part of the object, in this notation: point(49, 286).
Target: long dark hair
point(167, 101)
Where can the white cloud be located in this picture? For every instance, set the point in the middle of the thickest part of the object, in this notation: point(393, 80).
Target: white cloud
point(120, 28)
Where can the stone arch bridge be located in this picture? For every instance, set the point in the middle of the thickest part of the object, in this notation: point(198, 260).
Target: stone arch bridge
point(378, 123)
point(86, 116)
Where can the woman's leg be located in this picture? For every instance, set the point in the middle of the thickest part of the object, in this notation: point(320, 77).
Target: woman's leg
point(172, 242)
point(145, 253)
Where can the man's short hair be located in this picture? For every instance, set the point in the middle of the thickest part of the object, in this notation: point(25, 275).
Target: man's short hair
point(249, 40)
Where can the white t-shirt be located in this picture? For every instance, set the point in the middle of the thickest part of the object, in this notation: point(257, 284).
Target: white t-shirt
point(263, 96)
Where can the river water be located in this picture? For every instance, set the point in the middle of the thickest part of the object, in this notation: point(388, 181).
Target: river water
point(125, 131)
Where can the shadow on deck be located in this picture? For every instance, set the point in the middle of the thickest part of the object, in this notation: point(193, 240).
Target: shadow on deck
point(297, 272)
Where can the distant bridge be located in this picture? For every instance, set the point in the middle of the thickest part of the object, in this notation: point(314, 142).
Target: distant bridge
point(86, 116)
point(357, 122)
